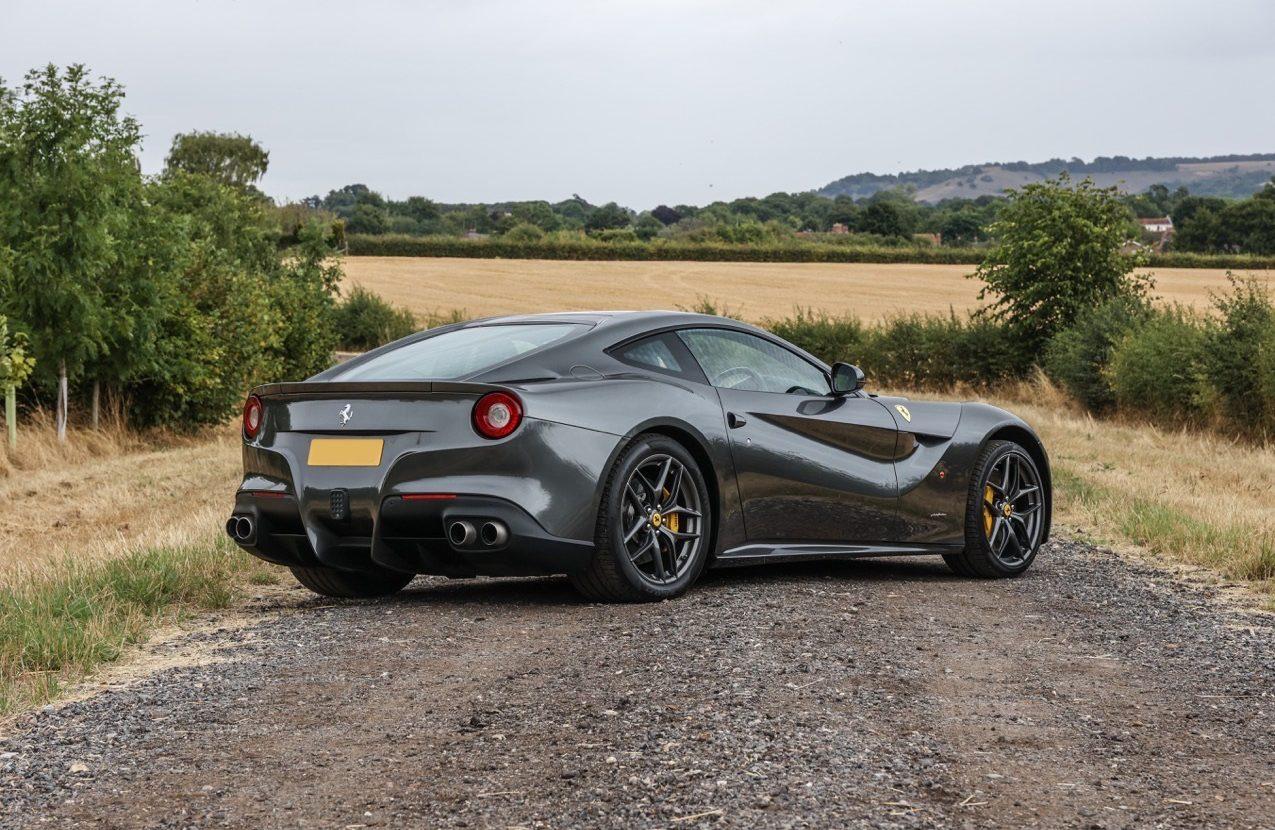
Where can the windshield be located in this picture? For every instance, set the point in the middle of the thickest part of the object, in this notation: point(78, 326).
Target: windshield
point(459, 353)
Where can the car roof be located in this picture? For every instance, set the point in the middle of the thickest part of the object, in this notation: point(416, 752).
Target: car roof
point(636, 321)
point(604, 330)
point(608, 328)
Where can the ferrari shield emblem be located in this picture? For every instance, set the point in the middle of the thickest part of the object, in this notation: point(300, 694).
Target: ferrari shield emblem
point(903, 410)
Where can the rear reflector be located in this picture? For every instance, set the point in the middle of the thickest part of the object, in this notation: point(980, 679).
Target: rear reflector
point(429, 496)
point(267, 494)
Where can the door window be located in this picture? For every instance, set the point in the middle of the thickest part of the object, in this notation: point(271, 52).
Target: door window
point(737, 360)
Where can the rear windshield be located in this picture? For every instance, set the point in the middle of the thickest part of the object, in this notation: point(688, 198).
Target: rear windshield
point(460, 353)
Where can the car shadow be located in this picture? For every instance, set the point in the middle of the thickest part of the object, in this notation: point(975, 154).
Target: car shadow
point(557, 590)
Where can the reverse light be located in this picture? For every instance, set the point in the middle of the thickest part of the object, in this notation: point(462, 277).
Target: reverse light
point(497, 414)
point(252, 412)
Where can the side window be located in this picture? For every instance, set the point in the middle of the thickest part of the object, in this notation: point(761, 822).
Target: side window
point(737, 360)
point(653, 353)
point(660, 353)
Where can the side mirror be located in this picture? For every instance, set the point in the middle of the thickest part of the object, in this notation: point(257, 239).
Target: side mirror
point(846, 379)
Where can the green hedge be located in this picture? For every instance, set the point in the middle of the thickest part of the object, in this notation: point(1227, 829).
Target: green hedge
point(586, 249)
point(1172, 366)
point(911, 351)
point(590, 250)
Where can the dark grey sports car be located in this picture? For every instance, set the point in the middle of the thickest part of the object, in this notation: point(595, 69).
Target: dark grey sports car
point(628, 450)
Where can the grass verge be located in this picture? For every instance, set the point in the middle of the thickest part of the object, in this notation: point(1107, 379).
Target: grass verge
point(58, 626)
point(1234, 549)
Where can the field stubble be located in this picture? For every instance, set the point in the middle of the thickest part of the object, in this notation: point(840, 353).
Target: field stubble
point(752, 291)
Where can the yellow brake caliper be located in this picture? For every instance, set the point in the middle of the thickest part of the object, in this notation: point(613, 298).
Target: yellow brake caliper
point(671, 519)
point(989, 518)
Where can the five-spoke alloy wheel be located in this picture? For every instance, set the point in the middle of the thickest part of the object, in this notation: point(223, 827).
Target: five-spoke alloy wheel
point(1005, 516)
point(653, 526)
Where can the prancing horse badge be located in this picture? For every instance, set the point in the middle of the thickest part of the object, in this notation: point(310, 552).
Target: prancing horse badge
point(346, 414)
point(903, 410)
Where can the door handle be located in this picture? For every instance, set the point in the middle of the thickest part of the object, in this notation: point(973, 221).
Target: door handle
point(735, 421)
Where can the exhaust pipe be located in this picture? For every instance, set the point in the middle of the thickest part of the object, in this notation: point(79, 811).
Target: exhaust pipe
point(241, 528)
point(461, 534)
point(494, 534)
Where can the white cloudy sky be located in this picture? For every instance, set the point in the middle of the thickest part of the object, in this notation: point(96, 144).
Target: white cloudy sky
point(665, 101)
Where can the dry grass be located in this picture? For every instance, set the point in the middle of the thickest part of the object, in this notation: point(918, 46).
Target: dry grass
point(752, 290)
point(1185, 497)
point(109, 491)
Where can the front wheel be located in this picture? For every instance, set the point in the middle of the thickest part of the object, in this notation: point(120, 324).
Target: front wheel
point(1005, 514)
point(653, 528)
point(331, 582)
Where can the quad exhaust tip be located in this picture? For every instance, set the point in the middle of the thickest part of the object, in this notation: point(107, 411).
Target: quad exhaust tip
point(489, 534)
point(462, 534)
point(494, 534)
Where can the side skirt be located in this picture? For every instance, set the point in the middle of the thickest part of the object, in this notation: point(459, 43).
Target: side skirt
point(761, 553)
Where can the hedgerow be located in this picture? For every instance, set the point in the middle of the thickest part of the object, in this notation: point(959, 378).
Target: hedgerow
point(1172, 366)
point(589, 249)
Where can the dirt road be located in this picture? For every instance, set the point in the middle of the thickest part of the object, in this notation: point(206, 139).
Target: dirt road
point(1092, 693)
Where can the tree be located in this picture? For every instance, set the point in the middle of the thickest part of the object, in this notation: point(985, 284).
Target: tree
point(666, 215)
point(15, 367)
point(884, 218)
point(1058, 253)
point(961, 229)
point(67, 172)
point(421, 209)
point(647, 227)
point(366, 218)
point(539, 214)
point(231, 158)
point(607, 217)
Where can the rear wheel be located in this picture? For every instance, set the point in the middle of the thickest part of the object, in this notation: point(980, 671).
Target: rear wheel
point(653, 525)
point(1005, 514)
point(331, 582)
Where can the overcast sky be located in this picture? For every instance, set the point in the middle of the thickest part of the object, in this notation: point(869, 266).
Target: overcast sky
point(664, 101)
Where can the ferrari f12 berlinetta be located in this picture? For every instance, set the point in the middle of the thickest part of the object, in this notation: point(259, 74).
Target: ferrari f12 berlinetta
point(627, 450)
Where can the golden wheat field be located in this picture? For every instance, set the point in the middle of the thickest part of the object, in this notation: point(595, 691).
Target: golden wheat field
point(751, 291)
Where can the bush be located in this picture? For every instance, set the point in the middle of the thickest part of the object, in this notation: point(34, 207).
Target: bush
point(1077, 358)
point(616, 235)
point(365, 321)
point(1158, 368)
point(524, 232)
point(922, 351)
point(830, 339)
point(1238, 353)
point(911, 351)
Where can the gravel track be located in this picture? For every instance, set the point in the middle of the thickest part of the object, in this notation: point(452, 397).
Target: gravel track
point(1093, 692)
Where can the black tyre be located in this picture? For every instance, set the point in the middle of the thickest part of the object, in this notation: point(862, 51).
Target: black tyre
point(1005, 514)
point(331, 582)
point(654, 525)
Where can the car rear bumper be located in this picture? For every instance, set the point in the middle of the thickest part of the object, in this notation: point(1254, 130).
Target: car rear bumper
point(409, 534)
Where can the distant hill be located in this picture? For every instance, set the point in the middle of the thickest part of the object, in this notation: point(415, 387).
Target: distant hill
point(1234, 176)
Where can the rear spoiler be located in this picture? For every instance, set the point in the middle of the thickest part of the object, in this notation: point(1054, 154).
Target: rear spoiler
point(374, 388)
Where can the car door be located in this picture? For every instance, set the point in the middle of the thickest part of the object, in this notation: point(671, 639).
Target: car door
point(810, 466)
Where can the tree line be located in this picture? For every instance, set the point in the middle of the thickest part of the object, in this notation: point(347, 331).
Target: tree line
point(1205, 224)
point(163, 296)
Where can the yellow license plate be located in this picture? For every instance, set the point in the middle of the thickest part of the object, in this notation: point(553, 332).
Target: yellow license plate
point(345, 452)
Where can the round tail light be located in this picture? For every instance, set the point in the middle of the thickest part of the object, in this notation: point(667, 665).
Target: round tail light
point(497, 414)
point(252, 412)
